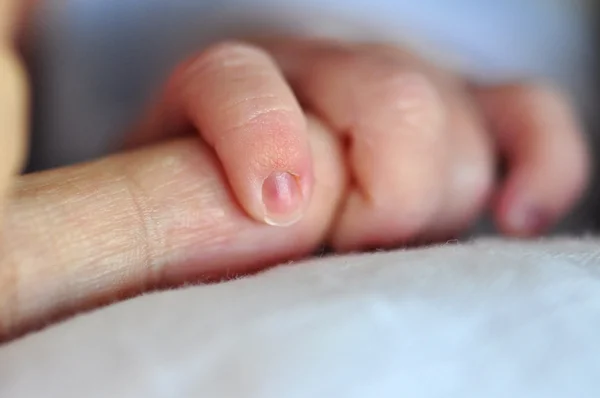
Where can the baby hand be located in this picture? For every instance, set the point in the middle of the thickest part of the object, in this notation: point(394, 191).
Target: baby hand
point(421, 144)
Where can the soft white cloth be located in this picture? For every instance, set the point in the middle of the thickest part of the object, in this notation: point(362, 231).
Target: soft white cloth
point(488, 319)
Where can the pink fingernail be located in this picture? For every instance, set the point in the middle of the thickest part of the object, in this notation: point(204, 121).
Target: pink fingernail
point(282, 198)
point(528, 220)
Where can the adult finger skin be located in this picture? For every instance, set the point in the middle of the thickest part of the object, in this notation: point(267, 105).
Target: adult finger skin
point(82, 236)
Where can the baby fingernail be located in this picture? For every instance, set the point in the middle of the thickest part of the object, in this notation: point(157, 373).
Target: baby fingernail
point(528, 220)
point(282, 198)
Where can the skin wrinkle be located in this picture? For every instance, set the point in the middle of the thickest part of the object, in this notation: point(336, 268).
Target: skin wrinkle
point(143, 216)
point(261, 116)
point(100, 208)
point(196, 217)
point(250, 98)
point(276, 117)
point(144, 209)
point(255, 106)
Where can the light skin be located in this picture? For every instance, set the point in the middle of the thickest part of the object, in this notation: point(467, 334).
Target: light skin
point(399, 150)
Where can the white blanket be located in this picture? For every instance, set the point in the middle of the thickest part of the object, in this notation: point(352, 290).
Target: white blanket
point(488, 319)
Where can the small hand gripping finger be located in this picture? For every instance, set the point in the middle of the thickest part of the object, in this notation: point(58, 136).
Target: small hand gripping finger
point(394, 120)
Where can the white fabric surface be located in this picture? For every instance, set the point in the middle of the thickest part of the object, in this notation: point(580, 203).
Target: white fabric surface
point(488, 319)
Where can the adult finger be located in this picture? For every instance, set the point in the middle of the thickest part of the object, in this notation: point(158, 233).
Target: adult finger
point(236, 97)
point(82, 236)
point(548, 162)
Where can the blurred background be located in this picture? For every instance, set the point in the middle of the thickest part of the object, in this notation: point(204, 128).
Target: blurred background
point(97, 63)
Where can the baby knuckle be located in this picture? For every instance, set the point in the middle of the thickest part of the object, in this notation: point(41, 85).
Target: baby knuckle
point(413, 97)
point(412, 93)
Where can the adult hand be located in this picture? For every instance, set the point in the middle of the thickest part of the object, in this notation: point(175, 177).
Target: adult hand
point(78, 237)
